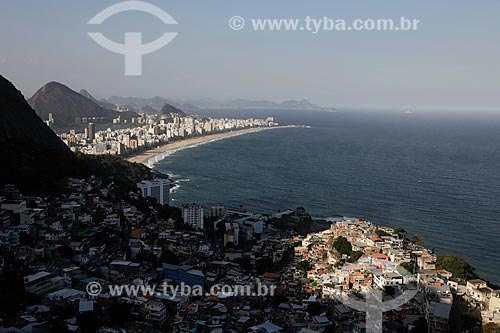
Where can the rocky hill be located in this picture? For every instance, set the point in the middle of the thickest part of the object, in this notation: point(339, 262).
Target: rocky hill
point(70, 108)
point(168, 109)
point(36, 160)
point(32, 155)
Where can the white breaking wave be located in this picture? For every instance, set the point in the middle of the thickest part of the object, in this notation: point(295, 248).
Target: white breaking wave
point(158, 157)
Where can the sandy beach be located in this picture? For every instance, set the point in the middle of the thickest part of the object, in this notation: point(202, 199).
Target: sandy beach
point(183, 143)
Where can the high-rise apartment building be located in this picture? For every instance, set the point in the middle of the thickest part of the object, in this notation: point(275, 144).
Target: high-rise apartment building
point(158, 189)
point(91, 132)
point(192, 213)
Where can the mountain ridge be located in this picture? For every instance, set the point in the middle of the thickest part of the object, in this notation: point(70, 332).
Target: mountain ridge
point(101, 103)
point(209, 103)
point(68, 107)
point(155, 103)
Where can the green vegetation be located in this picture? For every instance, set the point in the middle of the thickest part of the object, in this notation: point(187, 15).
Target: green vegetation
point(406, 267)
point(354, 256)
point(419, 239)
point(457, 266)
point(400, 232)
point(301, 224)
point(304, 266)
point(113, 169)
point(165, 212)
point(381, 233)
point(266, 264)
point(342, 245)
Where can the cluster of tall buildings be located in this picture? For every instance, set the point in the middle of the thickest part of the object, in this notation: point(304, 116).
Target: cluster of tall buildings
point(152, 132)
point(192, 213)
point(158, 189)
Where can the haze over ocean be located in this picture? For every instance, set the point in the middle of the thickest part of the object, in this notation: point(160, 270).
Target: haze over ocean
point(431, 173)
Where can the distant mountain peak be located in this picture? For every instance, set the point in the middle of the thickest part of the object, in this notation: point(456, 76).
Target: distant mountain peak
point(69, 107)
point(168, 109)
point(32, 154)
point(54, 85)
point(148, 110)
point(195, 105)
point(102, 103)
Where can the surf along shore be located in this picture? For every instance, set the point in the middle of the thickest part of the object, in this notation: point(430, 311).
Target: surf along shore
point(143, 157)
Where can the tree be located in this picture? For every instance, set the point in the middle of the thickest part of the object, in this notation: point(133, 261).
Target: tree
point(342, 245)
point(165, 212)
point(457, 266)
point(355, 255)
point(304, 266)
point(407, 267)
point(340, 263)
point(381, 233)
point(401, 232)
point(419, 239)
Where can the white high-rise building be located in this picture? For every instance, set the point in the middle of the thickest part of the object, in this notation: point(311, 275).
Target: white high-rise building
point(192, 213)
point(158, 188)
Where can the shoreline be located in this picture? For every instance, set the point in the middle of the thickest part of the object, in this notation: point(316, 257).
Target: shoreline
point(166, 149)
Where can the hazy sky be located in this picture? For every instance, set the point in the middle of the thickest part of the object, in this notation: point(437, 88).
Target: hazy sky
point(453, 60)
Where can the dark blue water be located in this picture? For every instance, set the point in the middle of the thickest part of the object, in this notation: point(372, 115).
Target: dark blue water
point(436, 174)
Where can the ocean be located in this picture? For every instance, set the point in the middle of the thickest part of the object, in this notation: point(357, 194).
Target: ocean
point(435, 173)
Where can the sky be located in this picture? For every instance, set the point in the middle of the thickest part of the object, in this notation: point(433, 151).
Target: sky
point(451, 61)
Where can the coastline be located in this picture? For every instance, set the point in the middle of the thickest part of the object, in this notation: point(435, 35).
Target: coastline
point(151, 156)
